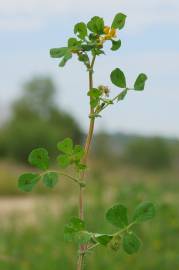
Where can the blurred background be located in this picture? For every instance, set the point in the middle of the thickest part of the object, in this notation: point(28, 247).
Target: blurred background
point(135, 153)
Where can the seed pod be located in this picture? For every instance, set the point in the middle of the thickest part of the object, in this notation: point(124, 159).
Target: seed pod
point(115, 243)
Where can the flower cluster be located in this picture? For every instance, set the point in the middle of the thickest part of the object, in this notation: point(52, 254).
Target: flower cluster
point(109, 33)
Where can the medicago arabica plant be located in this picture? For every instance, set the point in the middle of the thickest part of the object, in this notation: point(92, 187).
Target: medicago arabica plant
point(89, 44)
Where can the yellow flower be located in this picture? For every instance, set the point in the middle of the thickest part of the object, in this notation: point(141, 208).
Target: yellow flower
point(109, 33)
point(112, 32)
point(106, 29)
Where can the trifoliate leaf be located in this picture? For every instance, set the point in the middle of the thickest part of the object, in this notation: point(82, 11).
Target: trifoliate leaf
point(96, 25)
point(119, 21)
point(66, 146)
point(27, 181)
point(117, 216)
point(144, 211)
point(140, 82)
point(39, 158)
point(118, 78)
point(131, 243)
point(81, 30)
point(50, 179)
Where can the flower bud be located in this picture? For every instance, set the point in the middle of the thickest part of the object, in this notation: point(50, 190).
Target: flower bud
point(104, 90)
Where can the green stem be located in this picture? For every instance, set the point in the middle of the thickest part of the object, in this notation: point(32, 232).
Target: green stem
point(75, 180)
point(72, 178)
point(83, 248)
point(118, 233)
point(93, 246)
point(112, 100)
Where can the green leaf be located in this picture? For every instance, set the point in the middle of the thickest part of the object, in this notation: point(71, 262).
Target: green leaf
point(39, 158)
point(131, 243)
point(119, 21)
point(118, 78)
point(73, 43)
point(50, 179)
point(87, 47)
point(103, 239)
point(27, 181)
point(94, 102)
point(76, 224)
point(80, 166)
point(61, 52)
point(116, 44)
point(93, 37)
point(96, 25)
point(95, 93)
point(64, 161)
point(122, 95)
point(144, 211)
point(117, 216)
point(84, 58)
point(66, 146)
point(58, 52)
point(140, 82)
point(81, 30)
point(78, 152)
point(82, 237)
point(97, 51)
point(66, 57)
point(75, 231)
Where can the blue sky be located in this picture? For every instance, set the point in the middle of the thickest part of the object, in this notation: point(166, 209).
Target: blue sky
point(150, 44)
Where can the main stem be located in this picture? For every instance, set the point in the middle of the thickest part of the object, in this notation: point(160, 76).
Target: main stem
point(82, 248)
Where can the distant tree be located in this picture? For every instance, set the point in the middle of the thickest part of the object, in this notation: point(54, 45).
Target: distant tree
point(152, 153)
point(101, 147)
point(36, 121)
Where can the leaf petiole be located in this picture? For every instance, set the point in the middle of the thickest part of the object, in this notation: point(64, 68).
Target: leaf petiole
point(75, 180)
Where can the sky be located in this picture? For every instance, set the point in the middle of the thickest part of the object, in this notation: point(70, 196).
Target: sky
point(150, 44)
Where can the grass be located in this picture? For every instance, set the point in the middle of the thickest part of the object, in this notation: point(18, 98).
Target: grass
point(40, 244)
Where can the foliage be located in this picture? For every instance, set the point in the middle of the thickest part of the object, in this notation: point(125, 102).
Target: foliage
point(36, 121)
point(152, 153)
point(36, 244)
point(88, 44)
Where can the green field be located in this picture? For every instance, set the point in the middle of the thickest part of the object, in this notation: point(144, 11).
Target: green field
point(34, 239)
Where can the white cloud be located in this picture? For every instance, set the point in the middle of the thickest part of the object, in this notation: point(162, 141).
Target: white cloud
point(141, 14)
